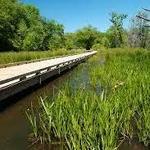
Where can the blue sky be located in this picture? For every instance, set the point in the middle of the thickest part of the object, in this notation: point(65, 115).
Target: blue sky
point(75, 14)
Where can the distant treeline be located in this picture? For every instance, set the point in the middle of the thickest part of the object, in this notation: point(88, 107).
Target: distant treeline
point(22, 28)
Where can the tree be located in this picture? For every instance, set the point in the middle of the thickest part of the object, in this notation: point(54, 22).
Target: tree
point(69, 41)
point(116, 31)
point(34, 38)
point(20, 35)
point(101, 41)
point(58, 40)
point(10, 16)
point(105, 42)
point(143, 17)
point(22, 28)
point(86, 37)
point(139, 33)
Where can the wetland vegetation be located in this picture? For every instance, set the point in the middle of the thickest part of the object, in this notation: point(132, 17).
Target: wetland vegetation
point(105, 103)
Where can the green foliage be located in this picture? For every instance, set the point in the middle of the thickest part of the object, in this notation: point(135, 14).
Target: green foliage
point(56, 40)
point(10, 15)
point(34, 38)
point(70, 41)
point(105, 42)
point(116, 32)
point(20, 35)
point(102, 44)
point(97, 46)
point(117, 19)
point(86, 37)
point(22, 28)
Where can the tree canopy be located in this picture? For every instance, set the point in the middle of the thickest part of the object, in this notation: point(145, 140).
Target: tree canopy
point(139, 32)
point(22, 28)
point(86, 37)
point(116, 32)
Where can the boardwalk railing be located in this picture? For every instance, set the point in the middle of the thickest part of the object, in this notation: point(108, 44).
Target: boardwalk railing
point(41, 71)
point(18, 83)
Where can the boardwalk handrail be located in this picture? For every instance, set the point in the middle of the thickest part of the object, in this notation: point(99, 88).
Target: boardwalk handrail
point(39, 71)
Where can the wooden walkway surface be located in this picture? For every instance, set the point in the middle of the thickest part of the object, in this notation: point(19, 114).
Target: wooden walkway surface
point(12, 74)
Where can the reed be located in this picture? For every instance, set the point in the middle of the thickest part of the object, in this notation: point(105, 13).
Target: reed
point(105, 101)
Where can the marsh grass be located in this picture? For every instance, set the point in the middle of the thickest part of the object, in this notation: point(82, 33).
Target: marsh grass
point(12, 57)
point(98, 114)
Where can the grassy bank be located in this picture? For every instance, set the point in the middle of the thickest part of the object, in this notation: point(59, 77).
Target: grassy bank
point(12, 57)
point(104, 103)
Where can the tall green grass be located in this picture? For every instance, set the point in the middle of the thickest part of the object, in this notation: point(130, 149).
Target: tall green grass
point(11, 57)
point(105, 102)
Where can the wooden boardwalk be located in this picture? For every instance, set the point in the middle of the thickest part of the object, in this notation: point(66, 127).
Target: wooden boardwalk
point(13, 75)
